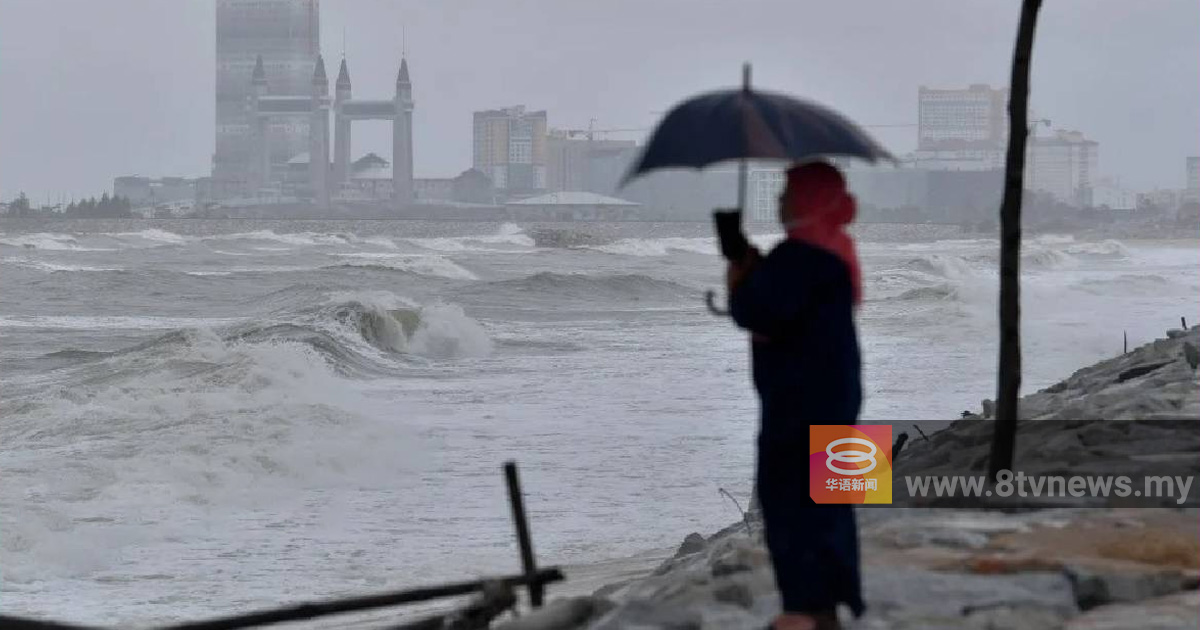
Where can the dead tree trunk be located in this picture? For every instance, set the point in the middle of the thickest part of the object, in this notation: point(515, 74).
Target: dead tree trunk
point(1010, 245)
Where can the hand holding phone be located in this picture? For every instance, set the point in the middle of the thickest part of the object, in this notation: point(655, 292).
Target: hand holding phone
point(735, 247)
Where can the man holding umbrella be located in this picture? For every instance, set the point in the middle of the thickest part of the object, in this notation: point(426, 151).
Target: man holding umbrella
point(798, 304)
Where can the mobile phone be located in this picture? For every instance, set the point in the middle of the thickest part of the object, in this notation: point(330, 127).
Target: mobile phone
point(734, 244)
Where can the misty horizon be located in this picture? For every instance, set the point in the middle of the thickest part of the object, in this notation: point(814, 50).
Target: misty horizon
point(126, 87)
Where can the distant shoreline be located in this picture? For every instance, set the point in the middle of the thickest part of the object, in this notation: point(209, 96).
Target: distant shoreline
point(869, 231)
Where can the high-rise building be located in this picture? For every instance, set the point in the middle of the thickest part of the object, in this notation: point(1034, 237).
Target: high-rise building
point(510, 148)
point(569, 158)
point(1063, 165)
point(958, 119)
point(286, 33)
point(1193, 179)
point(764, 184)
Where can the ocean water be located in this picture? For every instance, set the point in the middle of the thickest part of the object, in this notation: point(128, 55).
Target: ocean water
point(201, 417)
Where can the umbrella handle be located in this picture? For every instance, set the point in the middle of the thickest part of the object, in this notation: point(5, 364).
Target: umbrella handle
point(710, 300)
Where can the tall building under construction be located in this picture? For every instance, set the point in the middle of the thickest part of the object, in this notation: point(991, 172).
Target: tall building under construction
point(286, 33)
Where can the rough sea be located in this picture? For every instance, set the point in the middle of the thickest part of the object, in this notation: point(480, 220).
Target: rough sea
point(205, 417)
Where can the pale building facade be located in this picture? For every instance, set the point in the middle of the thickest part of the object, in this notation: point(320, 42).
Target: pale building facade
point(569, 159)
point(1063, 165)
point(286, 35)
point(971, 118)
point(510, 148)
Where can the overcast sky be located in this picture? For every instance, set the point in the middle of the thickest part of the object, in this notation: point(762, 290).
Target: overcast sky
point(94, 89)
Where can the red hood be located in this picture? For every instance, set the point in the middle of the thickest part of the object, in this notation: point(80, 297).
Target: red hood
point(819, 208)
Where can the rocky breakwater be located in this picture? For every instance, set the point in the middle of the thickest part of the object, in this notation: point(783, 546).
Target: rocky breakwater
point(1076, 568)
point(1067, 429)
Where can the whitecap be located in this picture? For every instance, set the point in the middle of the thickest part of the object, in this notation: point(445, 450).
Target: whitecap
point(436, 266)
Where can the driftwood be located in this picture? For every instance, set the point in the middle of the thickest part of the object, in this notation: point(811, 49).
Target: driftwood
point(517, 502)
point(745, 515)
point(21, 623)
point(497, 597)
point(369, 602)
point(1009, 384)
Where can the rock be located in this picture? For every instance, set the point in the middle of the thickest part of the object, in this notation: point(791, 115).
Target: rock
point(1172, 612)
point(939, 537)
point(1056, 388)
point(1176, 333)
point(559, 614)
point(642, 614)
point(729, 566)
point(1000, 564)
point(734, 593)
point(1140, 370)
point(1191, 354)
point(1096, 587)
point(1063, 447)
point(898, 446)
point(692, 543)
point(918, 598)
point(1014, 618)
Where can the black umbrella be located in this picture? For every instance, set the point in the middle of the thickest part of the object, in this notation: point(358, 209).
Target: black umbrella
point(749, 125)
point(746, 124)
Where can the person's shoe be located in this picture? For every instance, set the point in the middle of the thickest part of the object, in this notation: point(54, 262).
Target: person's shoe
point(796, 621)
point(827, 621)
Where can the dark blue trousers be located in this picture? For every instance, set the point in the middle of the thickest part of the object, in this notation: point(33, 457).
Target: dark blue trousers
point(814, 548)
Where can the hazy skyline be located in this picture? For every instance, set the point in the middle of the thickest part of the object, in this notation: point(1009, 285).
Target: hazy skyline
point(93, 90)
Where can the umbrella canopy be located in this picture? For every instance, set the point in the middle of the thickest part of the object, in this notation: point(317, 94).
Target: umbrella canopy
point(748, 124)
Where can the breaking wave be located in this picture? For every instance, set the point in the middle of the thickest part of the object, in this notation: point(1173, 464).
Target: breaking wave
point(392, 324)
point(508, 238)
point(357, 335)
point(152, 236)
point(1108, 249)
point(50, 241)
point(1046, 258)
point(930, 277)
point(936, 292)
point(304, 239)
point(942, 266)
point(1147, 284)
point(578, 286)
point(1053, 239)
point(425, 265)
point(97, 242)
point(363, 333)
point(659, 246)
point(50, 267)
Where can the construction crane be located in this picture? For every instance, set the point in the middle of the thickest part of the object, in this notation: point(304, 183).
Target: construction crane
point(591, 131)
